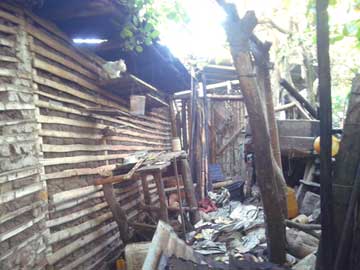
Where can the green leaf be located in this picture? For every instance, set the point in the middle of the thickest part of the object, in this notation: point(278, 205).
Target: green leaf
point(148, 27)
point(335, 39)
point(332, 2)
point(148, 41)
point(126, 32)
point(155, 34)
point(139, 49)
point(135, 20)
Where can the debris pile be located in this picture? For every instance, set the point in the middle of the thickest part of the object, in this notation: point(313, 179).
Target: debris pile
point(233, 230)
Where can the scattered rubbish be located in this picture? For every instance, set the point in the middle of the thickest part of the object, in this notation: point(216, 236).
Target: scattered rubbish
point(292, 205)
point(206, 205)
point(135, 255)
point(301, 244)
point(310, 202)
point(308, 263)
point(221, 198)
point(233, 230)
point(302, 219)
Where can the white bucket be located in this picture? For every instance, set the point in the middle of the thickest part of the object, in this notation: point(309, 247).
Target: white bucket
point(176, 144)
point(135, 255)
point(137, 104)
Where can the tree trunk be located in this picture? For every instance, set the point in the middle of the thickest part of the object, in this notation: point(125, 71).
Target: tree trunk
point(347, 163)
point(263, 76)
point(239, 33)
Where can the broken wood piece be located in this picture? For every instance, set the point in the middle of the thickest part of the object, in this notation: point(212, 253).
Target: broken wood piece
point(170, 208)
point(118, 213)
point(189, 190)
point(120, 178)
point(295, 94)
point(231, 140)
point(300, 244)
point(308, 228)
point(179, 196)
point(285, 107)
point(163, 213)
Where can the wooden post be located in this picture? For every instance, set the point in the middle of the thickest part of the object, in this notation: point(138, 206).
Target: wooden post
point(184, 124)
point(274, 134)
point(174, 131)
point(239, 31)
point(208, 185)
point(189, 127)
point(118, 213)
point(162, 197)
point(145, 186)
point(189, 190)
point(194, 114)
point(322, 33)
point(213, 147)
point(179, 195)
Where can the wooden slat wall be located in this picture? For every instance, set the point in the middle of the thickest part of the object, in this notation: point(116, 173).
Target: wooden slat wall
point(232, 114)
point(23, 201)
point(72, 149)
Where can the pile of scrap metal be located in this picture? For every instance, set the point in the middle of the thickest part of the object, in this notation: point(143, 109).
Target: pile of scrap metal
point(168, 251)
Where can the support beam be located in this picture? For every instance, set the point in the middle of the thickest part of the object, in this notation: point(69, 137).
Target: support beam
point(322, 33)
point(295, 94)
point(230, 141)
point(118, 213)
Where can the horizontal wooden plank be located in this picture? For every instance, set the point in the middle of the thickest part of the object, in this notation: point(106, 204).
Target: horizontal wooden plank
point(80, 159)
point(7, 42)
point(73, 231)
point(18, 174)
point(155, 129)
point(90, 148)
point(78, 123)
point(93, 252)
point(61, 60)
point(154, 117)
point(73, 203)
point(72, 91)
point(62, 99)
point(73, 194)
point(6, 235)
point(16, 106)
point(78, 172)
point(67, 250)
point(20, 211)
point(21, 245)
point(16, 88)
point(67, 50)
point(8, 29)
point(104, 260)
point(10, 59)
point(20, 192)
point(75, 215)
point(74, 135)
point(62, 73)
point(9, 17)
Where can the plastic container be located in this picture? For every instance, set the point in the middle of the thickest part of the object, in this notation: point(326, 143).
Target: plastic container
point(176, 144)
point(135, 255)
point(293, 208)
point(137, 104)
point(335, 145)
point(120, 264)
